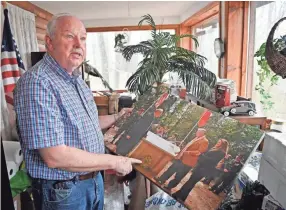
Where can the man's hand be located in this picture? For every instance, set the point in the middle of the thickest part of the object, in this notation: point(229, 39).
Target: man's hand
point(123, 165)
point(124, 111)
point(178, 156)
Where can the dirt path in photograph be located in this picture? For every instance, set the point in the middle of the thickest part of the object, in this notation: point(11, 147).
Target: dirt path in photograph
point(201, 198)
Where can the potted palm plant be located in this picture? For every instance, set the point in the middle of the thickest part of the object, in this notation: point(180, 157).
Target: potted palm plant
point(161, 54)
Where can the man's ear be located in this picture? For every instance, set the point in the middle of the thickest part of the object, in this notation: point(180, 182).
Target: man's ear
point(48, 43)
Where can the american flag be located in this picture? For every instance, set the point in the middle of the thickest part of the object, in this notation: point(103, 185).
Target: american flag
point(11, 63)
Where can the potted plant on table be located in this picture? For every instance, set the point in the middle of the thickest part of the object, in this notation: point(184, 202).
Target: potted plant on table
point(162, 54)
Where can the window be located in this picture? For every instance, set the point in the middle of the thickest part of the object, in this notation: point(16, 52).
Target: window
point(111, 65)
point(206, 32)
point(265, 15)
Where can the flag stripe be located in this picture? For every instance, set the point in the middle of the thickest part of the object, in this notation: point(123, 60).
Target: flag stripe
point(9, 88)
point(10, 80)
point(13, 73)
point(9, 67)
point(7, 61)
point(6, 54)
point(9, 99)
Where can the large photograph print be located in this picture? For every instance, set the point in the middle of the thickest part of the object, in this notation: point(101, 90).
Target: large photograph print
point(191, 153)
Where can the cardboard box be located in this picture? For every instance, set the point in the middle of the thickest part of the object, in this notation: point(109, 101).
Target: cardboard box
point(270, 204)
point(274, 181)
point(274, 151)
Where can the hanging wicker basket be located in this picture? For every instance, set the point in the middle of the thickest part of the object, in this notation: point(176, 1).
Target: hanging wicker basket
point(275, 59)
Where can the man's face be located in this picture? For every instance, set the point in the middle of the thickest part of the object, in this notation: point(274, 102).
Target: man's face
point(200, 133)
point(238, 158)
point(68, 44)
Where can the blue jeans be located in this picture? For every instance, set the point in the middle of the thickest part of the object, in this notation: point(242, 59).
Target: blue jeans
point(71, 195)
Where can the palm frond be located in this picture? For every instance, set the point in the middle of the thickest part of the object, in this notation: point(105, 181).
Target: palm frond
point(198, 80)
point(142, 47)
point(140, 81)
point(148, 18)
point(177, 38)
point(205, 75)
point(180, 52)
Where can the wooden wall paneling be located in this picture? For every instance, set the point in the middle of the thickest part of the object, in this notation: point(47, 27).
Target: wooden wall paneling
point(41, 23)
point(233, 23)
point(41, 37)
point(42, 48)
point(41, 33)
point(221, 61)
point(186, 42)
point(26, 5)
point(205, 13)
point(131, 28)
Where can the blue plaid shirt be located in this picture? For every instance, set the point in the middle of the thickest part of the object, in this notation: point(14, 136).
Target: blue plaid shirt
point(54, 108)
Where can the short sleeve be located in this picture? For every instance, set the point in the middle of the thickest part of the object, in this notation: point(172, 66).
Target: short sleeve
point(38, 115)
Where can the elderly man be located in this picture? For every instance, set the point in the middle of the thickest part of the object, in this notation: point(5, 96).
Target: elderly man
point(59, 127)
point(185, 160)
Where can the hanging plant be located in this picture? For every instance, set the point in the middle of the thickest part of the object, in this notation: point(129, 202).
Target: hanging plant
point(265, 74)
point(120, 41)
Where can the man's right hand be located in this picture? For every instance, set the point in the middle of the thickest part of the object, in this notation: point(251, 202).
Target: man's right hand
point(123, 165)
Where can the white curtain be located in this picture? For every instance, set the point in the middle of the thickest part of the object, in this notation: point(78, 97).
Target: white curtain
point(23, 28)
point(111, 65)
point(206, 34)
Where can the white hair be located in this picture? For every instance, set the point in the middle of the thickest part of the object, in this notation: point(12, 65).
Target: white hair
point(202, 129)
point(51, 26)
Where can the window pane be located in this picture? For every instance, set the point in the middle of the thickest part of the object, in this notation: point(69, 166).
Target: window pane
point(266, 15)
point(206, 34)
point(112, 66)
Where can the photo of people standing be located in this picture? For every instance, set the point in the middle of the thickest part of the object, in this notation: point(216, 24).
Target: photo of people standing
point(190, 152)
point(205, 165)
point(185, 160)
point(229, 173)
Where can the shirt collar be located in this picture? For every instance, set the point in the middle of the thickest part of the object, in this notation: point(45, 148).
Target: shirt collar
point(61, 71)
point(199, 138)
